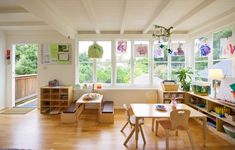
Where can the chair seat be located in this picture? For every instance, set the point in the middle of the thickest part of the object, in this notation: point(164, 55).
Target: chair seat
point(166, 123)
point(132, 120)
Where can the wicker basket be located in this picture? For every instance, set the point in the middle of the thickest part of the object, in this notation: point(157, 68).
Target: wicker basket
point(170, 87)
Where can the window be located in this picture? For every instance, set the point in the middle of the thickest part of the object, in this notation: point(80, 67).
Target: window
point(103, 65)
point(85, 63)
point(160, 68)
point(141, 70)
point(91, 70)
point(222, 47)
point(201, 52)
point(177, 57)
point(165, 61)
point(221, 40)
point(123, 59)
point(132, 63)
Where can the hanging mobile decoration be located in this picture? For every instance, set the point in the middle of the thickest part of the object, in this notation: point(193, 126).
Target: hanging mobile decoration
point(170, 51)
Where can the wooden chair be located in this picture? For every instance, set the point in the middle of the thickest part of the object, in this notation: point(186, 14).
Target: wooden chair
point(131, 120)
point(178, 121)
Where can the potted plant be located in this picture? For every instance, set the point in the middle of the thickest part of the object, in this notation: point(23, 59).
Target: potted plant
point(184, 77)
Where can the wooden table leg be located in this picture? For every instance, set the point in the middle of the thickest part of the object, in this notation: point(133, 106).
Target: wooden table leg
point(136, 130)
point(204, 130)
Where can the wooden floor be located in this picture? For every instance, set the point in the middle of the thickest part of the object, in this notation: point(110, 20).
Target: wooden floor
point(43, 132)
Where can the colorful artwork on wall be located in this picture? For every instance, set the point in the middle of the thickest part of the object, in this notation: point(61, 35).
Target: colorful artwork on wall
point(122, 46)
point(203, 46)
point(56, 53)
point(141, 50)
point(227, 49)
point(158, 51)
point(178, 49)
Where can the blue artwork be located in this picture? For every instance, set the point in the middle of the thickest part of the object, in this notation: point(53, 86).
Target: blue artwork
point(205, 50)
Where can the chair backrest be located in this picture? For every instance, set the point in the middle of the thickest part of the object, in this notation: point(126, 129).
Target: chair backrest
point(127, 112)
point(179, 119)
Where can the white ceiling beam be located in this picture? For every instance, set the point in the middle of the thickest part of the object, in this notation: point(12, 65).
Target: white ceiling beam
point(194, 11)
point(23, 23)
point(157, 12)
point(91, 14)
point(125, 15)
point(203, 27)
point(12, 10)
point(49, 15)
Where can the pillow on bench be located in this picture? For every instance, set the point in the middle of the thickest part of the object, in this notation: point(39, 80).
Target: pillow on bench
point(71, 109)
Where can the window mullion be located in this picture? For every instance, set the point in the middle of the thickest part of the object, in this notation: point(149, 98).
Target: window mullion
point(94, 71)
point(132, 62)
point(151, 61)
point(113, 63)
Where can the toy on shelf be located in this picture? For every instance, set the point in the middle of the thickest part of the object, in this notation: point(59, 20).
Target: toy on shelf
point(221, 111)
point(201, 88)
point(173, 103)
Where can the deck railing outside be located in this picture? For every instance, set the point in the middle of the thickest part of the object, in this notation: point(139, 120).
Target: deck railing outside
point(25, 87)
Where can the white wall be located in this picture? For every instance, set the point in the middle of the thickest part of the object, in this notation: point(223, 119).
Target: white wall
point(64, 73)
point(2, 69)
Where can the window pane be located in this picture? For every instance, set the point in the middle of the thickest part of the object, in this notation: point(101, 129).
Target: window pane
point(175, 67)
point(201, 65)
point(83, 50)
point(221, 40)
point(141, 72)
point(106, 51)
point(85, 73)
point(160, 71)
point(123, 73)
point(165, 47)
point(201, 69)
point(104, 73)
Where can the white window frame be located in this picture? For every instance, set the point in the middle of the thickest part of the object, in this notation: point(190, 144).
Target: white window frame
point(113, 62)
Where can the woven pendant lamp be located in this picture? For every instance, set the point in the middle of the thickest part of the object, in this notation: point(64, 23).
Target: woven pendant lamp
point(95, 51)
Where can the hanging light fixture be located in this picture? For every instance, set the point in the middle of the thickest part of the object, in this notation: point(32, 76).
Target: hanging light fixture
point(162, 33)
point(95, 51)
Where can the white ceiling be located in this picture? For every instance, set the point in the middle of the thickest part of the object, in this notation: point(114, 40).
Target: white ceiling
point(112, 16)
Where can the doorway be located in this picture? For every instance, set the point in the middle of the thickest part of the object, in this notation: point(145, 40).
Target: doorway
point(25, 77)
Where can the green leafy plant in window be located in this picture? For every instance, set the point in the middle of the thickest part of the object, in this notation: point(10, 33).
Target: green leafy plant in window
point(184, 76)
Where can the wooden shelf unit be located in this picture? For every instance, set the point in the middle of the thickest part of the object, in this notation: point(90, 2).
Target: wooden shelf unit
point(190, 99)
point(166, 96)
point(54, 99)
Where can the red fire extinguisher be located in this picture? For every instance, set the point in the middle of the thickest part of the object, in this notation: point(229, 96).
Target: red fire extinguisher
point(8, 54)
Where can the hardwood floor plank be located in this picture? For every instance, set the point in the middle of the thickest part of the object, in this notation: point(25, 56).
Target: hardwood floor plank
point(46, 132)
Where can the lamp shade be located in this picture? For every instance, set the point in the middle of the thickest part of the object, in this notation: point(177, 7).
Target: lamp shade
point(215, 74)
point(95, 51)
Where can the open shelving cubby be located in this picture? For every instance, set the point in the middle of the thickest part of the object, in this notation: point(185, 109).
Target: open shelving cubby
point(55, 99)
point(206, 105)
point(166, 96)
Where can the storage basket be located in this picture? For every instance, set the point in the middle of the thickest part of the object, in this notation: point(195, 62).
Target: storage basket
point(170, 87)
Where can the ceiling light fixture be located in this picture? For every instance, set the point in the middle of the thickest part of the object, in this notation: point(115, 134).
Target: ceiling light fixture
point(162, 33)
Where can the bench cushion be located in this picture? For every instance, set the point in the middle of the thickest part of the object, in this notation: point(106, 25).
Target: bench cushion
point(107, 107)
point(71, 109)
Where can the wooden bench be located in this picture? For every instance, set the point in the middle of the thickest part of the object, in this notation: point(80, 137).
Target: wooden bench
point(107, 112)
point(70, 114)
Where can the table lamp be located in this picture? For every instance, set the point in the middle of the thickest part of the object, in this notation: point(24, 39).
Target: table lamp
point(215, 74)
